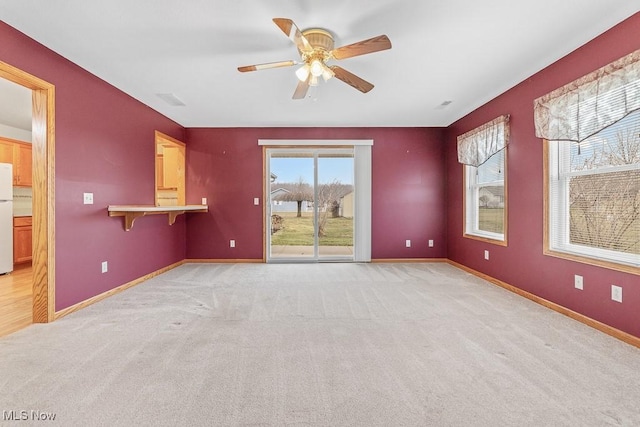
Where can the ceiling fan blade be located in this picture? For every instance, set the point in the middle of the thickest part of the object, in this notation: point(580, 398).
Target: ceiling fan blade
point(293, 32)
point(363, 47)
point(301, 89)
point(267, 66)
point(351, 79)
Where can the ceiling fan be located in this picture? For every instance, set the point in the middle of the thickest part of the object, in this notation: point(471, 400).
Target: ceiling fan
point(316, 48)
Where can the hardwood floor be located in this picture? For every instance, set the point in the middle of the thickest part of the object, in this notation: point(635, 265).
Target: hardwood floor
point(16, 300)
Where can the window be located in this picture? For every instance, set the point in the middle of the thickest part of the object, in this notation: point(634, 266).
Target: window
point(485, 202)
point(482, 151)
point(591, 129)
point(594, 194)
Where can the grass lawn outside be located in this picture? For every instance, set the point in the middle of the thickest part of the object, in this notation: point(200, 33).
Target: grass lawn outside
point(299, 231)
point(491, 219)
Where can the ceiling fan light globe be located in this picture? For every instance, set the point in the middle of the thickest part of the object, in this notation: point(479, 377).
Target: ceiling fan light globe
point(303, 73)
point(317, 68)
point(327, 73)
point(313, 81)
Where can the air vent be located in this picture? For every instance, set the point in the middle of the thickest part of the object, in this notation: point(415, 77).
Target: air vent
point(170, 99)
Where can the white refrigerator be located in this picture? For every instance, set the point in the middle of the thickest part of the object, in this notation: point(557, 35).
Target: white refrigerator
point(6, 218)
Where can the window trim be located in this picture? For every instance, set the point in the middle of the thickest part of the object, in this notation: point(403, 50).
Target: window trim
point(572, 256)
point(486, 238)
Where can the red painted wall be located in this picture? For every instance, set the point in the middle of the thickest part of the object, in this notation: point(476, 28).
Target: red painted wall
point(225, 166)
point(522, 263)
point(104, 145)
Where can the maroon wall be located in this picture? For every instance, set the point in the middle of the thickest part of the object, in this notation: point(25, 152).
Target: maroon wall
point(225, 165)
point(522, 263)
point(104, 145)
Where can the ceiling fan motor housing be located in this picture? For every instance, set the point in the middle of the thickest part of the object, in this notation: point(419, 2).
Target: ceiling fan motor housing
point(322, 43)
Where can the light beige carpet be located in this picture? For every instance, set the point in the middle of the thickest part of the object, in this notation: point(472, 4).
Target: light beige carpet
point(319, 345)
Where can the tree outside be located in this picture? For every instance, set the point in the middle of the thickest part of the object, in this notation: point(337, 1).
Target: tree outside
point(329, 196)
point(605, 207)
point(298, 192)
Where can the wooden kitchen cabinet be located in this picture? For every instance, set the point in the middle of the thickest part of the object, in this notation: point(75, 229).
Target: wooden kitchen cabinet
point(22, 165)
point(19, 154)
point(167, 169)
point(6, 151)
point(170, 171)
point(22, 240)
point(159, 171)
point(170, 167)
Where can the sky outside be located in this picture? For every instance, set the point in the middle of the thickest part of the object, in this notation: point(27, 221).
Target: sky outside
point(607, 141)
point(491, 170)
point(290, 169)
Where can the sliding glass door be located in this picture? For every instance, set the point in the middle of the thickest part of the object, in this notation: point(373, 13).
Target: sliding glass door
point(335, 191)
point(310, 213)
point(291, 201)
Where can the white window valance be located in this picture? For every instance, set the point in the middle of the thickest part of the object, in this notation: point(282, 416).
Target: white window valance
point(478, 145)
point(585, 106)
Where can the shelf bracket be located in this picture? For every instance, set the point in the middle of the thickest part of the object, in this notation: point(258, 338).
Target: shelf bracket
point(173, 215)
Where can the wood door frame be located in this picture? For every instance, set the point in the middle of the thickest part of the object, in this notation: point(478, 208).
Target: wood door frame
point(43, 145)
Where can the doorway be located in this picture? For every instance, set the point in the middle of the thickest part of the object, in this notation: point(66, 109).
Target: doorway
point(43, 165)
point(16, 292)
point(310, 204)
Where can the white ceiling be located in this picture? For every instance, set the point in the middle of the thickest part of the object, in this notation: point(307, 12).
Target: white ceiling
point(15, 105)
point(464, 51)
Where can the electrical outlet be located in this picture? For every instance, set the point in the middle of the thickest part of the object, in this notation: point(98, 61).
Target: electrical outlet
point(578, 282)
point(407, 243)
point(204, 200)
point(232, 243)
point(616, 293)
point(256, 201)
point(430, 243)
point(105, 266)
point(88, 198)
point(486, 255)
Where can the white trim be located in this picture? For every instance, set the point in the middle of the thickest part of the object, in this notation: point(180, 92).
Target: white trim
point(315, 142)
point(362, 203)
